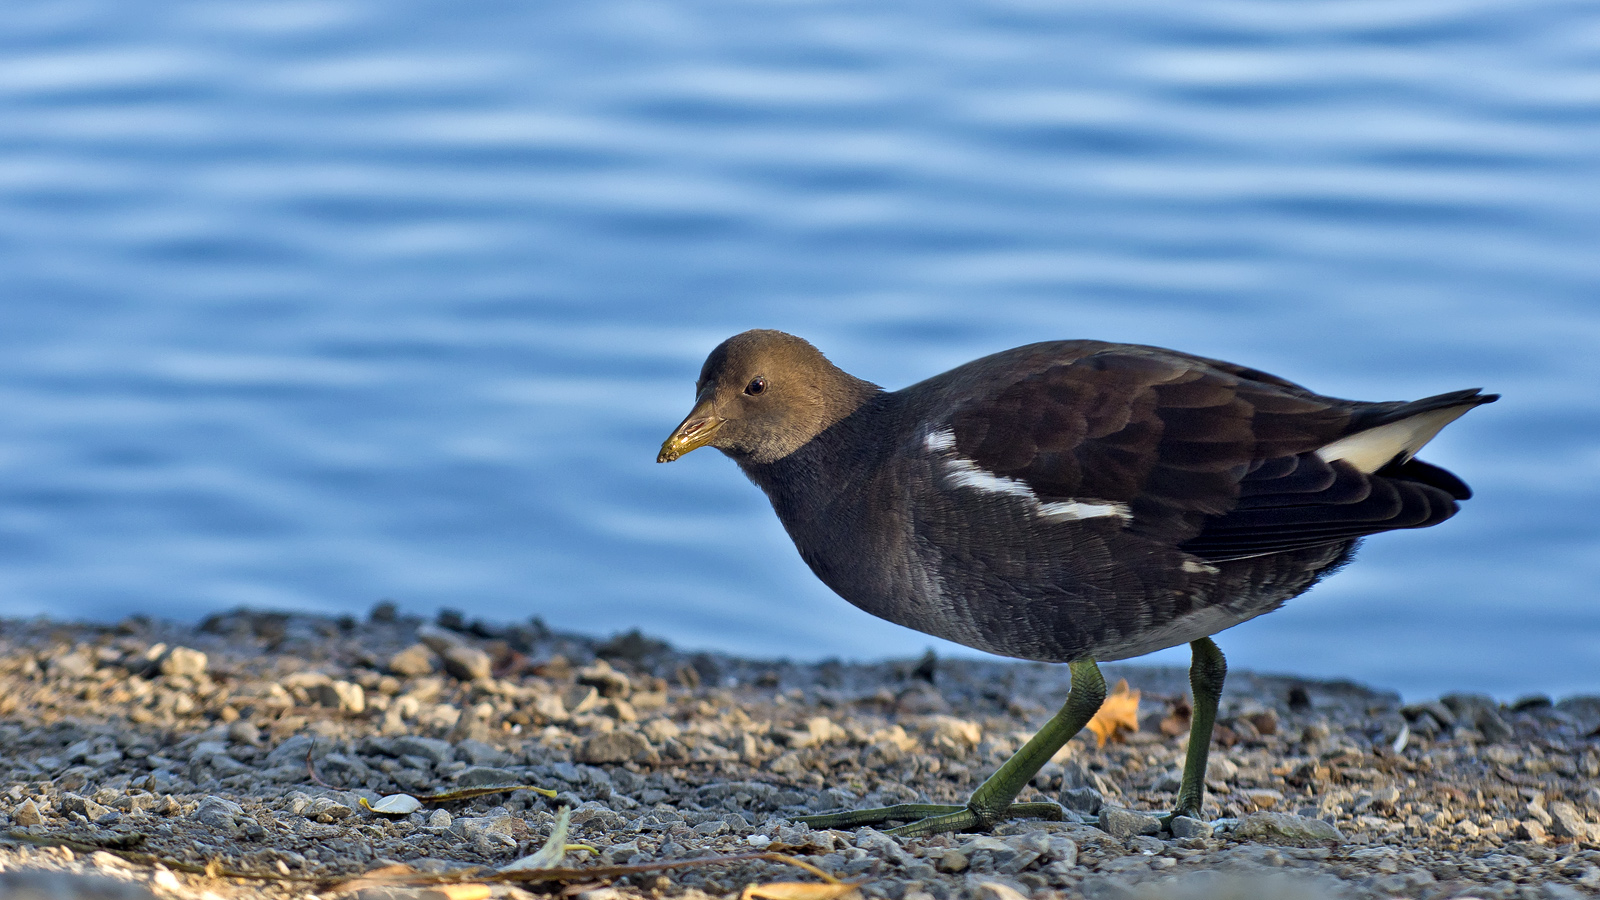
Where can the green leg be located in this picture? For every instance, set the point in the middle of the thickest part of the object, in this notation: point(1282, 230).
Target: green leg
point(992, 801)
point(1207, 670)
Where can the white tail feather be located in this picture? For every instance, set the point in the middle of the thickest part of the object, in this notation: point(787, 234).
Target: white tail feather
point(1375, 448)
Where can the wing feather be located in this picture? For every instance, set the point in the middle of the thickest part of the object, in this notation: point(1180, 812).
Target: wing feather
point(1218, 460)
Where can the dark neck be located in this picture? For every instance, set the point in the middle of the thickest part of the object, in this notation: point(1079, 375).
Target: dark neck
point(831, 466)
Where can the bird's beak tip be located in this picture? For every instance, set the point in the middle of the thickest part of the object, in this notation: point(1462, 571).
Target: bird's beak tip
point(694, 432)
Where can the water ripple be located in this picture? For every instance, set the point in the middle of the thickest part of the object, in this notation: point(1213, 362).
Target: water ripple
point(313, 303)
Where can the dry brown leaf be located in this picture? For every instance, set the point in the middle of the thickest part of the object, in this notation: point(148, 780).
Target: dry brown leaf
point(798, 890)
point(1119, 714)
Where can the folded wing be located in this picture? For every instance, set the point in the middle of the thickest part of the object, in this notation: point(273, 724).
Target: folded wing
point(1221, 461)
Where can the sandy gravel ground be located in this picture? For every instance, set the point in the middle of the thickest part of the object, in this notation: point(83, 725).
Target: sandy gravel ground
point(144, 759)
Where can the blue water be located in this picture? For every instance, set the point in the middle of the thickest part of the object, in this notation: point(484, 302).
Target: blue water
point(310, 303)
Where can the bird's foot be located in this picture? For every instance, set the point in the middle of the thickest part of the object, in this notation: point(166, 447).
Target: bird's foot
point(905, 812)
point(932, 818)
point(1166, 820)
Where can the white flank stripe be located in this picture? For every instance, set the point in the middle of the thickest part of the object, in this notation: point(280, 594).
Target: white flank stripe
point(966, 474)
point(1067, 510)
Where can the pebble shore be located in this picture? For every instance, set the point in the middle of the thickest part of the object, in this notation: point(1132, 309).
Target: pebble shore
point(131, 754)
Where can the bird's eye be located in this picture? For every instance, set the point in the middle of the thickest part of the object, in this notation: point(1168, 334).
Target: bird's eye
point(756, 385)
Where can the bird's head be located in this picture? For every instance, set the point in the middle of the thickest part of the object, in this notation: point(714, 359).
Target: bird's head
point(761, 396)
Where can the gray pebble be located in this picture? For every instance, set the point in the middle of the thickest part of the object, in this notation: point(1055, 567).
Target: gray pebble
point(467, 663)
point(1566, 821)
point(476, 776)
point(1145, 844)
point(1122, 823)
point(219, 813)
point(1082, 799)
point(182, 661)
point(479, 753)
point(1285, 828)
point(1185, 827)
point(83, 806)
point(614, 747)
point(27, 813)
point(413, 661)
point(433, 750)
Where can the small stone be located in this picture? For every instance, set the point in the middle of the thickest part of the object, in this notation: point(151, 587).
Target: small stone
point(579, 699)
point(1086, 800)
point(1466, 706)
point(1145, 844)
point(1493, 726)
point(182, 661)
point(27, 814)
point(1532, 830)
point(608, 681)
point(1125, 823)
point(467, 663)
point(879, 844)
point(479, 753)
point(242, 732)
point(952, 861)
point(1285, 828)
point(623, 711)
point(549, 708)
point(77, 664)
point(434, 750)
point(439, 819)
point(615, 747)
point(661, 729)
point(1442, 715)
point(83, 806)
point(326, 809)
point(1263, 798)
point(504, 825)
point(349, 697)
point(104, 758)
point(477, 776)
point(292, 751)
point(1185, 827)
point(1538, 812)
point(1568, 822)
point(219, 813)
point(1063, 850)
point(789, 765)
point(1222, 769)
point(1265, 721)
point(949, 731)
point(414, 660)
